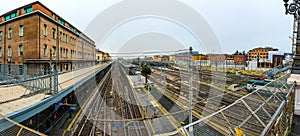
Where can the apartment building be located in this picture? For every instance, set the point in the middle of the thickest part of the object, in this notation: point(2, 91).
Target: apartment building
point(260, 53)
point(102, 56)
point(34, 37)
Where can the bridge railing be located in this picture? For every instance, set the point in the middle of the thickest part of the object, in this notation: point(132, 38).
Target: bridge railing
point(18, 129)
point(265, 111)
point(281, 120)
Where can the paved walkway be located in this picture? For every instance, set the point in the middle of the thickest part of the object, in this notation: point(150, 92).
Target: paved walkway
point(12, 98)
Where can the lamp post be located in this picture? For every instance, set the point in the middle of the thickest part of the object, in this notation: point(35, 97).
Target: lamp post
point(293, 8)
point(190, 91)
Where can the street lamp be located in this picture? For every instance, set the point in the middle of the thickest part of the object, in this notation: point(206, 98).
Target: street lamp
point(294, 9)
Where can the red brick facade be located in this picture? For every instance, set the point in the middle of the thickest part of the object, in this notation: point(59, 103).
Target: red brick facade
point(72, 48)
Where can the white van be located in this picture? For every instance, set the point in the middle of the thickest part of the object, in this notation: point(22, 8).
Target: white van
point(234, 87)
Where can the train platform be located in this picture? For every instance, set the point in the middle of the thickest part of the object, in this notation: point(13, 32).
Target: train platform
point(137, 81)
point(151, 108)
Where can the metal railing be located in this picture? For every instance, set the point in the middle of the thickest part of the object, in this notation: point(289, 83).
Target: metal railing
point(265, 111)
point(18, 129)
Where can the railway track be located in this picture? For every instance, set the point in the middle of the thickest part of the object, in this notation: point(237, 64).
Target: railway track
point(205, 105)
point(113, 110)
point(132, 109)
point(86, 126)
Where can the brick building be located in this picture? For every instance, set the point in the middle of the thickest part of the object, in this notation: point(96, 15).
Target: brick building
point(216, 58)
point(32, 36)
point(240, 59)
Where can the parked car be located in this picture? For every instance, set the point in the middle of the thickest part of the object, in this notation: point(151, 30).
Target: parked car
point(235, 87)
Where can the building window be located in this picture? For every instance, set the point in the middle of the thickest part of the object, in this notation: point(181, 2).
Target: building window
point(61, 22)
point(20, 69)
point(9, 33)
point(7, 17)
point(0, 35)
point(60, 36)
point(21, 28)
point(63, 38)
point(53, 51)
point(45, 30)
point(66, 53)
point(20, 50)
point(45, 50)
point(67, 38)
point(27, 10)
point(61, 50)
point(53, 33)
point(11, 16)
point(9, 51)
point(0, 52)
point(71, 28)
point(74, 41)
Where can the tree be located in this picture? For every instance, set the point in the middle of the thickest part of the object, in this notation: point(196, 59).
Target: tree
point(244, 52)
point(236, 52)
point(145, 72)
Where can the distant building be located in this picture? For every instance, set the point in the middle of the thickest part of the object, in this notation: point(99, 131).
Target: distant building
point(277, 60)
point(32, 36)
point(214, 58)
point(102, 56)
point(229, 59)
point(156, 58)
point(240, 59)
point(199, 57)
point(159, 58)
point(260, 53)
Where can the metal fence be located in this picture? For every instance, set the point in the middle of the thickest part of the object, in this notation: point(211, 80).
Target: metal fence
point(17, 129)
point(13, 71)
point(265, 111)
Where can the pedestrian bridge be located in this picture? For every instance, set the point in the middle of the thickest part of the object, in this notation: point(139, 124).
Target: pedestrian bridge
point(18, 102)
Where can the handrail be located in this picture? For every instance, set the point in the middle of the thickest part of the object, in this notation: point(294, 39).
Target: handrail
point(253, 111)
point(229, 106)
point(278, 112)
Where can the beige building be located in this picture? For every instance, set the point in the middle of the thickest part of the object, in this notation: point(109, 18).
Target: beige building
point(102, 56)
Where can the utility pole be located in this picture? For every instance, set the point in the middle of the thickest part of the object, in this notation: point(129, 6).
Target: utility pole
point(165, 68)
point(191, 92)
point(161, 78)
point(51, 72)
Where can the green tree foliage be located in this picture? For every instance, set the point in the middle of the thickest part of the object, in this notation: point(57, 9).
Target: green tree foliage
point(145, 72)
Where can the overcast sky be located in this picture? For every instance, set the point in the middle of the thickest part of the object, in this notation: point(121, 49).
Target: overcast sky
point(238, 24)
